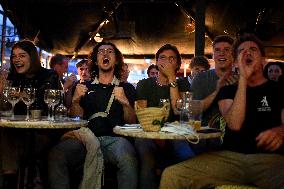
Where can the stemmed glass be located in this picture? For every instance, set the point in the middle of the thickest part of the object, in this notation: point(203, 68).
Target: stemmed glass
point(61, 111)
point(13, 97)
point(28, 97)
point(51, 98)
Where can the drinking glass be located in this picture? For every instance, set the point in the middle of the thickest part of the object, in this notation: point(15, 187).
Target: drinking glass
point(182, 109)
point(6, 109)
point(195, 111)
point(28, 97)
point(13, 97)
point(51, 98)
point(164, 101)
point(179, 105)
point(61, 110)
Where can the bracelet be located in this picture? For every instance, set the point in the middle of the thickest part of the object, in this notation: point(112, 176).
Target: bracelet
point(173, 84)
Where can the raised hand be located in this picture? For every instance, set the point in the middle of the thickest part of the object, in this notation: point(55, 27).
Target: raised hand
point(80, 91)
point(69, 81)
point(120, 95)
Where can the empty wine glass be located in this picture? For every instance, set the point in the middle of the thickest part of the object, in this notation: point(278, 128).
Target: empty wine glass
point(6, 109)
point(61, 111)
point(51, 98)
point(28, 97)
point(13, 97)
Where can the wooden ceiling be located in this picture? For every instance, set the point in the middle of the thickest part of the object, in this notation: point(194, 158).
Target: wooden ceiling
point(140, 27)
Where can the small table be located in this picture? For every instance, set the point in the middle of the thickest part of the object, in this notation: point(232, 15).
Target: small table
point(33, 126)
point(139, 133)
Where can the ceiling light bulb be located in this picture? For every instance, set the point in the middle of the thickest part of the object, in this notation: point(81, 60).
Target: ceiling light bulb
point(98, 38)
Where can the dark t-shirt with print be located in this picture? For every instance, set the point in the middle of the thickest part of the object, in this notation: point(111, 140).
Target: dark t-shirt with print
point(96, 100)
point(263, 111)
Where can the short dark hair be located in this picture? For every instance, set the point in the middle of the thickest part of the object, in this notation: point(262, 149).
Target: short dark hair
point(170, 47)
point(223, 38)
point(81, 62)
point(151, 67)
point(94, 69)
point(278, 63)
point(56, 59)
point(30, 48)
point(247, 37)
point(199, 61)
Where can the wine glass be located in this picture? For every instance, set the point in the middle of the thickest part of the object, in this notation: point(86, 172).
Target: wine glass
point(6, 109)
point(61, 110)
point(28, 97)
point(51, 98)
point(13, 97)
point(179, 105)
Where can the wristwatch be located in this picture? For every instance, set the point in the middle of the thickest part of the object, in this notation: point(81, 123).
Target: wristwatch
point(173, 84)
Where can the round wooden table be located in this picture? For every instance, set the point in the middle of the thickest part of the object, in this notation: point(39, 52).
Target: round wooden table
point(139, 133)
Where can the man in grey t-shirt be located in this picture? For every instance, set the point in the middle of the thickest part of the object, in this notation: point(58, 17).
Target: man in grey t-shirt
point(206, 85)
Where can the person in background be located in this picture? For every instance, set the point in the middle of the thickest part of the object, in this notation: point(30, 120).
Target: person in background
point(273, 70)
point(105, 104)
point(252, 151)
point(124, 73)
point(155, 155)
point(84, 78)
point(197, 64)
point(59, 63)
point(124, 76)
point(26, 71)
point(153, 70)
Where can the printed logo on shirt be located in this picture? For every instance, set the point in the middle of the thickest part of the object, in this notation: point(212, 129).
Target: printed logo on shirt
point(264, 105)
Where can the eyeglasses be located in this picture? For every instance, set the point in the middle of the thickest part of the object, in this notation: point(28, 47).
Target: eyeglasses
point(170, 58)
point(105, 51)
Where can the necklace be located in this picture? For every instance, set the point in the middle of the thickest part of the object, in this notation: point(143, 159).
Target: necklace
point(161, 85)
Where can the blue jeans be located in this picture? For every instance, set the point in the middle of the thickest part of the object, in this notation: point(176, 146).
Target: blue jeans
point(152, 157)
point(120, 152)
point(65, 164)
point(69, 155)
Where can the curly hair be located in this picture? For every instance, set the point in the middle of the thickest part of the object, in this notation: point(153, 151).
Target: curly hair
point(94, 69)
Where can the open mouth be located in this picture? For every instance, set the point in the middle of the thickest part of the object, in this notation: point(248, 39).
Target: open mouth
point(248, 61)
point(18, 65)
point(105, 61)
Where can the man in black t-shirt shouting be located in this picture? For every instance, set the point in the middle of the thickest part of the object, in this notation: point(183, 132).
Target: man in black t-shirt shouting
point(253, 142)
point(106, 103)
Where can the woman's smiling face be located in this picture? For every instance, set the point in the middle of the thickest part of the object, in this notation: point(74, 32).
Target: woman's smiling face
point(21, 60)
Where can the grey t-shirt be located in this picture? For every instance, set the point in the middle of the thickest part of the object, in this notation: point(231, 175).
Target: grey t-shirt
point(202, 86)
